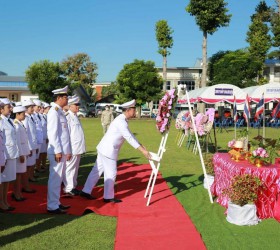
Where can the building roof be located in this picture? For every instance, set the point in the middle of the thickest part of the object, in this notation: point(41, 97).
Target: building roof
point(13, 83)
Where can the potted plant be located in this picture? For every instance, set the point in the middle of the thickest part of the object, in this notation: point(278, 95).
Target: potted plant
point(243, 193)
point(209, 166)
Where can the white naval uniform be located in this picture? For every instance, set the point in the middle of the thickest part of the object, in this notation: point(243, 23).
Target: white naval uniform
point(59, 142)
point(44, 145)
point(2, 151)
point(22, 142)
point(39, 132)
point(78, 147)
point(108, 151)
point(11, 150)
point(29, 124)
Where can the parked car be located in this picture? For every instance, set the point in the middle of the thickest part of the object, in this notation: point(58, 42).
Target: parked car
point(82, 113)
point(145, 112)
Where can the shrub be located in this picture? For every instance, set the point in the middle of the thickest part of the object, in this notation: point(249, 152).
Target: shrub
point(244, 189)
point(209, 165)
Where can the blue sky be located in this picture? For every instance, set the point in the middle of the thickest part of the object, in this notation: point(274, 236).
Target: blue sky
point(111, 32)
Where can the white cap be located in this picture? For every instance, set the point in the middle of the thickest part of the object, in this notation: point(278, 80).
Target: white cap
point(62, 91)
point(5, 101)
point(19, 109)
point(18, 104)
point(45, 105)
point(37, 102)
point(73, 99)
point(130, 104)
point(28, 103)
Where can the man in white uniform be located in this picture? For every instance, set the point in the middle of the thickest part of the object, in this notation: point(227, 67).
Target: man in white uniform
point(78, 146)
point(59, 149)
point(108, 150)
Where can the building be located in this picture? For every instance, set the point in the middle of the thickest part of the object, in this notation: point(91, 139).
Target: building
point(98, 89)
point(272, 70)
point(15, 88)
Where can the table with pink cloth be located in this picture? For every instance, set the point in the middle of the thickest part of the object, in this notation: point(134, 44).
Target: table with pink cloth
point(226, 169)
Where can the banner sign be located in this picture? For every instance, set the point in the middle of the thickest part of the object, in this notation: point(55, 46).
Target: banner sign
point(273, 91)
point(222, 91)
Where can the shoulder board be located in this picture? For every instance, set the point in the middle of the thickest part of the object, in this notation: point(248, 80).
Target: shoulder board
point(66, 113)
point(0, 118)
point(15, 121)
point(56, 108)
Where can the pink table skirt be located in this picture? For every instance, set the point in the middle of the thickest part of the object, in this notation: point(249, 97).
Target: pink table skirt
point(226, 169)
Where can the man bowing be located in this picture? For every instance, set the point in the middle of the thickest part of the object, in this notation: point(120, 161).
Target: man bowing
point(108, 151)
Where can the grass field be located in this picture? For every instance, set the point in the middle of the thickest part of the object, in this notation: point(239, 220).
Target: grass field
point(183, 173)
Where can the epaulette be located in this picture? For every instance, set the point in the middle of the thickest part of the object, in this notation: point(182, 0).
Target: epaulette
point(15, 121)
point(56, 108)
point(66, 113)
point(0, 118)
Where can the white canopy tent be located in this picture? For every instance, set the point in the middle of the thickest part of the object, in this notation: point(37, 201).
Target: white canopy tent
point(271, 92)
point(216, 93)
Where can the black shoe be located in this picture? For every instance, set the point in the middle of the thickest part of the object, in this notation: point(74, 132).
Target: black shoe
point(33, 180)
point(64, 207)
point(112, 200)
point(18, 199)
point(87, 196)
point(75, 191)
point(28, 191)
point(11, 208)
point(69, 194)
point(57, 211)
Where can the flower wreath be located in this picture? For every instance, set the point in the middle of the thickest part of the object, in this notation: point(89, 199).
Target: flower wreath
point(166, 106)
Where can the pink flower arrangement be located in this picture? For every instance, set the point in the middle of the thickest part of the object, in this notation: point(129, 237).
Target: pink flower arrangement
point(260, 153)
point(231, 143)
point(164, 115)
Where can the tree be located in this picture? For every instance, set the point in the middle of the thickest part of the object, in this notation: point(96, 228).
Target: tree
point(258, 36)
point(139, 80)
point(43, 77)
point(213, 59)
point(275, 29)
point(78, 69)
point(165, 41)
point(109, 90)
point(209, 15)
point(237, 68)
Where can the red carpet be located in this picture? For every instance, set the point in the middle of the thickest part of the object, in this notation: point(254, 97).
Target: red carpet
point(37, 203)
point(162, 225)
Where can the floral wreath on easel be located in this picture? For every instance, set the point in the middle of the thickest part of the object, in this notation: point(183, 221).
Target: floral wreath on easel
point(165, 110)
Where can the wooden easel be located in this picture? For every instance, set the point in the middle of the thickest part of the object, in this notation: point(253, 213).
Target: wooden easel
point(155, 164)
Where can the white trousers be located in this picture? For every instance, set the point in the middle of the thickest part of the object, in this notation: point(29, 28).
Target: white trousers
point(55, 180)
point(109, 167)
point(71, 173)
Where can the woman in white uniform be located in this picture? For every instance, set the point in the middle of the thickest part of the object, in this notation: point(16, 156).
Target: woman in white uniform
point(24, 151)
point(11, 151)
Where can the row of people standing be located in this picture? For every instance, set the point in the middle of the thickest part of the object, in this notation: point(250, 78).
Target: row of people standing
point(24, 143)
point(21, 146)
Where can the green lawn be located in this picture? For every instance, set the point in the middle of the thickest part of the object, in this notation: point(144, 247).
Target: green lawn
point(182, 171)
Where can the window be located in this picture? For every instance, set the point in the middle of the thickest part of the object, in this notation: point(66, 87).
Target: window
point(14, 97)
point(277, 71)
point(168, 85)
point(190, 84)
